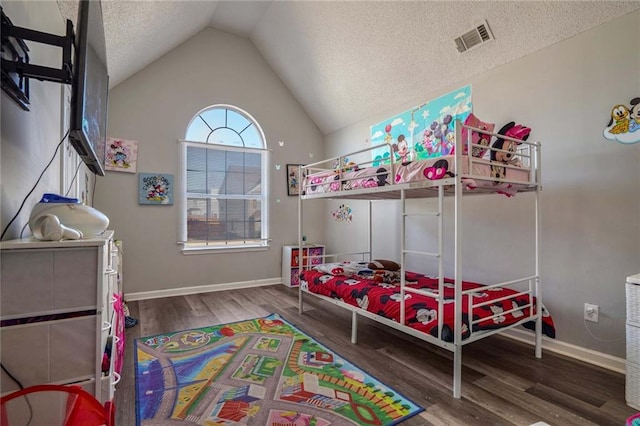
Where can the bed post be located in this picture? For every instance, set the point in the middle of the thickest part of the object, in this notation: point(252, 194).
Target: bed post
point(537, 243)
point(457, 259)
point(354, 327)
point(403, 269)
point(457, 371)
point(370, 231)
point(440, 259)
point(300, 257)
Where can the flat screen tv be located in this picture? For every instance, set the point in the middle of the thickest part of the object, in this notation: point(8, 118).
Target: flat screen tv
point(89, 99)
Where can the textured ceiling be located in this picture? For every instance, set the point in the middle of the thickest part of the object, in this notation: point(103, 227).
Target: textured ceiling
point(344, 61)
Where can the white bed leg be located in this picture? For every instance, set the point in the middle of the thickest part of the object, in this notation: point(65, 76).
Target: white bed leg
point(354, 327)
point(457, 371)
point(300, 301)
point(539, 337)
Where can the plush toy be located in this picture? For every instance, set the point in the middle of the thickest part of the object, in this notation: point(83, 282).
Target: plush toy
point(350, 166)
point(383, 264)
point(347, 166)
point(512, 130)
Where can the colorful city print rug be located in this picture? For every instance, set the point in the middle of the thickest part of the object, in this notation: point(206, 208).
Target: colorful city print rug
point(262, 371)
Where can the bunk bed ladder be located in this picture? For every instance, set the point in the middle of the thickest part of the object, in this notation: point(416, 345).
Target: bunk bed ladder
point(354, 314)
point(439, 254)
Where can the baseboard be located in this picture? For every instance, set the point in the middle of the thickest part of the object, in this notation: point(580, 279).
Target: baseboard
point(600, 359)
point(183, 291)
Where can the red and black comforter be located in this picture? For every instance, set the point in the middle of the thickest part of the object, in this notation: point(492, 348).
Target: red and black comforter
point(422, 311)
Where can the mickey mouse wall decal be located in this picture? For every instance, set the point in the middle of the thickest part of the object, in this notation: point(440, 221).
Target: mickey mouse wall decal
point(624, 123)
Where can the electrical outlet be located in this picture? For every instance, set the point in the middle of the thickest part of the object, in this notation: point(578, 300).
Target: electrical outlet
point(591, 312)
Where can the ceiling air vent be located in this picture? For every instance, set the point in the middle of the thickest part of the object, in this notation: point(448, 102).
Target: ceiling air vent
point(478, 35)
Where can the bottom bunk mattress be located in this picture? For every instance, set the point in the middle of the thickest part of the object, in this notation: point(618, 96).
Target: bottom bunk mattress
point(379, 292)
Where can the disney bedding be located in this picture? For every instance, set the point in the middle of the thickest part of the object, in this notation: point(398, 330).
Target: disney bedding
point(416, 171)
point(379, 292)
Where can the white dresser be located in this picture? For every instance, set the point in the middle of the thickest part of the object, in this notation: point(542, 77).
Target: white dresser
point(60, 309)
point(633, 341)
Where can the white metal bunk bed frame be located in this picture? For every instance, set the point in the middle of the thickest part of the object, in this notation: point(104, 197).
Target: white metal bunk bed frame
point(529, 152)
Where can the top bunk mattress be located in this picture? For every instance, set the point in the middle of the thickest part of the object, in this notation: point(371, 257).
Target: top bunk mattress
point(481, 174)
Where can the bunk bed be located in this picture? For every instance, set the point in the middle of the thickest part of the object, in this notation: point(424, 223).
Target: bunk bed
point(447, 312)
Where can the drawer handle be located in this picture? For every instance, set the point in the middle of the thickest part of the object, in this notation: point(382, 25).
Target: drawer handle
point(106, 325)
point(117, 380)
point(110, 271)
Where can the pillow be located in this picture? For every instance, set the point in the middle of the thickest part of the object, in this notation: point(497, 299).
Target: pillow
point(477, 137)
point(382, 264)
point(360, 270)
point(347, 268)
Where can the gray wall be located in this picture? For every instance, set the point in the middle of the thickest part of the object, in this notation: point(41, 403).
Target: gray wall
point(29, 138)
point(154, 107)
point(590, 238)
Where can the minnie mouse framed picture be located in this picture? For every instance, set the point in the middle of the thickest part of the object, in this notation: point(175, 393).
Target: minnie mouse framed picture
point(293, 172)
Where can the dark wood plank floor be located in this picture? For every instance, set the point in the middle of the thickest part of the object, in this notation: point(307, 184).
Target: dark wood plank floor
point(503, 382)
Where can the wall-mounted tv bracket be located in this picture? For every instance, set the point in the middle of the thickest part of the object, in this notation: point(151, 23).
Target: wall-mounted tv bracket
point(16, 69)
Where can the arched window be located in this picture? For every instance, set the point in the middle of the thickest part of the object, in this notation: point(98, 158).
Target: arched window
point(224, 172)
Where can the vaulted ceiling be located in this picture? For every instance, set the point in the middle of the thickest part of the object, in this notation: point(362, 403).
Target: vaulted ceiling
point(346, 60)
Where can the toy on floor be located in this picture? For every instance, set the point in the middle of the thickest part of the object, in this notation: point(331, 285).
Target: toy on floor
point(128, 320)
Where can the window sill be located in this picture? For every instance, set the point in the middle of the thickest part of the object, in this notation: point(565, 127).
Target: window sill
point(211, 250)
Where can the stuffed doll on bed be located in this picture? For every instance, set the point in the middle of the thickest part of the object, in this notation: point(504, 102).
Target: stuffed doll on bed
point(503, 150)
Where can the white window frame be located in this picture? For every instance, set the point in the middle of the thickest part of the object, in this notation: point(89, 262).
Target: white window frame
point(228, 245)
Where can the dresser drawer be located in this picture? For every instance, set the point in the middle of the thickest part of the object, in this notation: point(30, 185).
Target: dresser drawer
point(44, 281)
point(633, 302)
point(633, 385)
point(49, 352)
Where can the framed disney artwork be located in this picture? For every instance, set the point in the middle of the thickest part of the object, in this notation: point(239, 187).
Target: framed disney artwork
point(155, 188)
point(121, 155)
point(293, 172)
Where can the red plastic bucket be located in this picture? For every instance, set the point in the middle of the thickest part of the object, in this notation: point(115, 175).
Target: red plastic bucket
point(54, 405)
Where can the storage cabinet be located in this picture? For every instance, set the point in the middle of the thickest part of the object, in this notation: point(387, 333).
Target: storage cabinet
point(59, 313)
point(633, 342)
point(312, 254)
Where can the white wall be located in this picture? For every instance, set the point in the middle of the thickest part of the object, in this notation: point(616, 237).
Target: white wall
point(154, 107)
point(29, 138)
point(590, 239)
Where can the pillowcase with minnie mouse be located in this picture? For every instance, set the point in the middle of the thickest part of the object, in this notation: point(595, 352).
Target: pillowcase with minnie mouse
point(477, 138)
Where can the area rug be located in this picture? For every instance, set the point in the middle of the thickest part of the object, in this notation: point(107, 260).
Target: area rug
point(260, 372)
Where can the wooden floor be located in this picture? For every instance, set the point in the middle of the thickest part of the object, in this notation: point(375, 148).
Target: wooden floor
point(503, 382)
